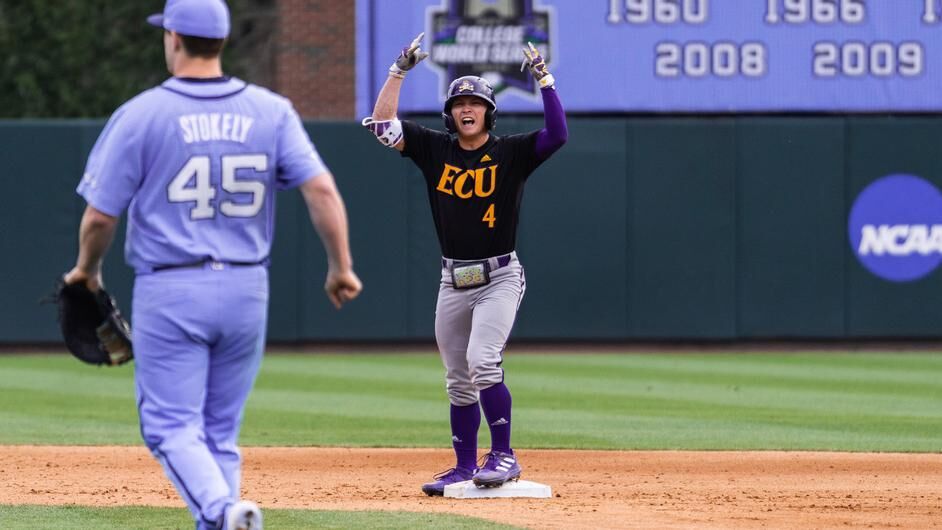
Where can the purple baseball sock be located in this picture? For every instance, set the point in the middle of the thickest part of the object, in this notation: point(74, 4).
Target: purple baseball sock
point(464, 434)
point(496, 404)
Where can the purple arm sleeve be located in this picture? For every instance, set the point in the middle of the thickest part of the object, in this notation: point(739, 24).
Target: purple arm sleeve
point(555, 133)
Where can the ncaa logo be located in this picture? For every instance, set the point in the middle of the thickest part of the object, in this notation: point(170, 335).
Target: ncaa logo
point(895, 228)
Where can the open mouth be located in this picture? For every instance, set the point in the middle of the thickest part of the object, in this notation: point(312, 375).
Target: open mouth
point(467, 121)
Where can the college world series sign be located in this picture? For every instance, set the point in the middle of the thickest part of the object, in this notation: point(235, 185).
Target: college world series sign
point(485, 38)
point(666, 55)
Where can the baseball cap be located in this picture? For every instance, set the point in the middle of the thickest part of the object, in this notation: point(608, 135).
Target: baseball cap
point(196, 18)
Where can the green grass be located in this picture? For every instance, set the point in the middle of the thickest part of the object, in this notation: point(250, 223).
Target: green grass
point(813, 401)
point(809, 401)
point(141, 518)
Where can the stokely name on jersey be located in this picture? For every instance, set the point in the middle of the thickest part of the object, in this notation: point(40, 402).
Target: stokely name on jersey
point(215, 126)
point(467, 183)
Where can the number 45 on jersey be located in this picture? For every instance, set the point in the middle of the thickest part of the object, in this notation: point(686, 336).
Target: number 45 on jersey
point(192, 184)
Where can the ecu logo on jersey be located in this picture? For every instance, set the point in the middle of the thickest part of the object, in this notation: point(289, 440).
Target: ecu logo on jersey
point(467, 183)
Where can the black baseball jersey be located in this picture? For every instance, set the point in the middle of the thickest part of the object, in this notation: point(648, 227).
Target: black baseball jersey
point(475, 195)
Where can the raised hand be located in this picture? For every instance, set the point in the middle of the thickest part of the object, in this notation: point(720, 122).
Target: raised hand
point(534, 61)
point(410, 56)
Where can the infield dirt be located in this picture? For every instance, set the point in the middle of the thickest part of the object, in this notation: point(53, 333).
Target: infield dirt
point(591, 489)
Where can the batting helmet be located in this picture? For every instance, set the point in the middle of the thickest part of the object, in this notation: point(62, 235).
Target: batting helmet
point(470, 85)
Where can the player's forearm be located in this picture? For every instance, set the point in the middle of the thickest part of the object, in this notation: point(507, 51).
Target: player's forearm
point(95, 236)
point(387, 103)
point(329, 217)
point(555, 131)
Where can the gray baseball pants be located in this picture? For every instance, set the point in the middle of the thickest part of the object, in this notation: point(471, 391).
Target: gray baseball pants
point(472, 327)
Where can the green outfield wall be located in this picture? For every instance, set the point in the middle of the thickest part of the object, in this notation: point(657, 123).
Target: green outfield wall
point(641, 228)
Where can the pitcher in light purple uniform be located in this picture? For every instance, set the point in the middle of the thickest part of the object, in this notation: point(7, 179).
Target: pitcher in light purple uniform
point(196, 162)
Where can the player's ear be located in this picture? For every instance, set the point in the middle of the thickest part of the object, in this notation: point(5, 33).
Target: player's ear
point(177, 41)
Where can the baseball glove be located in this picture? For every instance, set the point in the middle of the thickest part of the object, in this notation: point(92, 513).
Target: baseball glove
point(92, 327)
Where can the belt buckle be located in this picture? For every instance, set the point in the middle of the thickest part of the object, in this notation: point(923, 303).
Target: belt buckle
point(470, 274)
point(217, 265)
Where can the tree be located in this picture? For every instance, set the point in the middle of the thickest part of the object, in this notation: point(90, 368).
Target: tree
point(83, 59)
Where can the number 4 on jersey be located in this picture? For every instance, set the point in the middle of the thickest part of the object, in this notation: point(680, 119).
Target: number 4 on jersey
point(489, 216)
point(201, 193)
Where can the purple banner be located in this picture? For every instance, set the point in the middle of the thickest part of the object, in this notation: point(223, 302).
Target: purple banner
point(666, 55)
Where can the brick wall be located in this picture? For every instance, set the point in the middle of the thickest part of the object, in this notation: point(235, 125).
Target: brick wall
point(315, 56)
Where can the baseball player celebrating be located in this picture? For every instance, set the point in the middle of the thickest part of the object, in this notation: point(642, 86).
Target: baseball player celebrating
point(196, 161)
point(475, 183)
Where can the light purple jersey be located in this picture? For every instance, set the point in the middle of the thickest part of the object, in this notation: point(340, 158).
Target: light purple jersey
point(197, 164)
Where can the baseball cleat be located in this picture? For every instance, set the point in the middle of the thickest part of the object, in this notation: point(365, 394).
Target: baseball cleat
point(244, 515)
point(498, 469)
point(452, 476)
